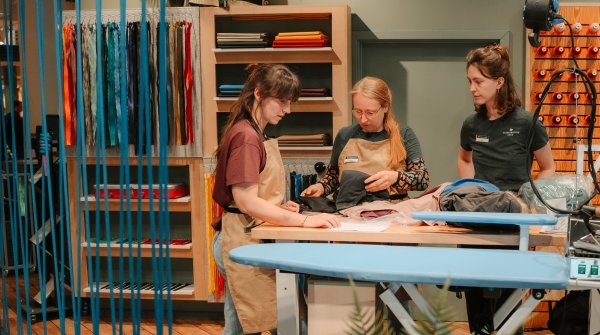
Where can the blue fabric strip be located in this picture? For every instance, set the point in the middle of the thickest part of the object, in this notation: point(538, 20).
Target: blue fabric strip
point(485, 217)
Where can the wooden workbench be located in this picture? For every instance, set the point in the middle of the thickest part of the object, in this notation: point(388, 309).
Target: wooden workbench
point(396, 234)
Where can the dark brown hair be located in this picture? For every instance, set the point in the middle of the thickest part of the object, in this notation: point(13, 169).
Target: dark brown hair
point(272, 80)
point(494, 62)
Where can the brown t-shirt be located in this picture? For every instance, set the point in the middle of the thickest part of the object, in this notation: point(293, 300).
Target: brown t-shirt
point(241, 160)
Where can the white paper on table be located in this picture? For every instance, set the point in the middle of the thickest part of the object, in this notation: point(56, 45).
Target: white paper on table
point(367, 226)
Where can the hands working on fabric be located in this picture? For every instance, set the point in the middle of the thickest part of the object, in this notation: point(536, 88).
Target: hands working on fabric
point(314, 220)
point(376, 145)
point(381, 180)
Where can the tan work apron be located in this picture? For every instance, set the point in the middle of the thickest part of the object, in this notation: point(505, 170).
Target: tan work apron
point(253, 289)
point(368, 157)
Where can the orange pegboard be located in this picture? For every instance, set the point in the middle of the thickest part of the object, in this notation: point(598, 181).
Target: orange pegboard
point(566, 108)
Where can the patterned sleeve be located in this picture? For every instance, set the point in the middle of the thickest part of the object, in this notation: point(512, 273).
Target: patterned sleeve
point(415, 178)
point(330, 181)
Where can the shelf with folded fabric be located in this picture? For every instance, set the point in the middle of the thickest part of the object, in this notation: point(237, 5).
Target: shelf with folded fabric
point(182, 291)
point(325, 70)
point(311, 135)
point(274, 55)
point(303, 105)
point(246, 51)
point(307, 148)
point(301, 100)
point(176, 277)
point(182, 204)
point(184, 210)
point(144, 250)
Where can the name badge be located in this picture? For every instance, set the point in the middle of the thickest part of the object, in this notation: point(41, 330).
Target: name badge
point(351, 159)
point(482, 139)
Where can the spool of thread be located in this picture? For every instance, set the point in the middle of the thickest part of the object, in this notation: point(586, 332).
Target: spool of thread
point(574, 96)
point(541, 74)
point(573, 120)
point(560, 28)
point(320, 167)
point(576, 28)
point(558, 50)
point(557, 97)
point(556, 119)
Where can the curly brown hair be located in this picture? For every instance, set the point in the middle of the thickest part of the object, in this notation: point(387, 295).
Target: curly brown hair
point(494, 62)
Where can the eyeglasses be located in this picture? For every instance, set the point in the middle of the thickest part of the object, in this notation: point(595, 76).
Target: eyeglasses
point(358, 113)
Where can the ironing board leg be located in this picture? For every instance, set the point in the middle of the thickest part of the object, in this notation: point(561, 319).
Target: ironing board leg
point(418, 299)
point(389, 299)
point(288, 321)
point(517, 319)
point(510, 303)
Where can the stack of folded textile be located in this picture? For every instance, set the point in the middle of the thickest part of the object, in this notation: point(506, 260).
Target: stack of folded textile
point(317, 140)
point(301, 39)
point(314, 92)
point(229, 90)
point(242, 40)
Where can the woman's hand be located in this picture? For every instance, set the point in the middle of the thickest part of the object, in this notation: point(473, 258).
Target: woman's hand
point(381, 180)
point(314, 190)
point(291, 206)
point(321, 220)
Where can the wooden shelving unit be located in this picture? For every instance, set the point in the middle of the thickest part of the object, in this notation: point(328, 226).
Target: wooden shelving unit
point(194, 252)
point(333, 20)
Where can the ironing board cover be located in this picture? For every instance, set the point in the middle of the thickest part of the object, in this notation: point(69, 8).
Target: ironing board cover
point(407, 264)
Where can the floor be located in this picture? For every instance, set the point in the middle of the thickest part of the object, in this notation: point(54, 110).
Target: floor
point(147, 325)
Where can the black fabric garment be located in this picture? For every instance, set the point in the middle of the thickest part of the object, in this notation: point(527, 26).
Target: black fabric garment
point(352, 190)
point(316, 204)
point(570, 314)
point(499, 146)
point(473, 199)
point(351, 193)
point(132, 81)
point(482, 304)
point(293, 186)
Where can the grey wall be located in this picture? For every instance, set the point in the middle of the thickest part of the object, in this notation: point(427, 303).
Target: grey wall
point(419, 48)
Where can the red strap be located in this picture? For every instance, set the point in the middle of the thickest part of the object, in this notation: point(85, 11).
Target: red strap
point(189, 84)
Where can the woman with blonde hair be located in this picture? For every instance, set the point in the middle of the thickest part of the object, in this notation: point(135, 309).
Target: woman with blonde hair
point(376, 145)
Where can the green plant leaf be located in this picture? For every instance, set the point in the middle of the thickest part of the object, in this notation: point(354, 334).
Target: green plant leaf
point(362, 322)
point(439, 311)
